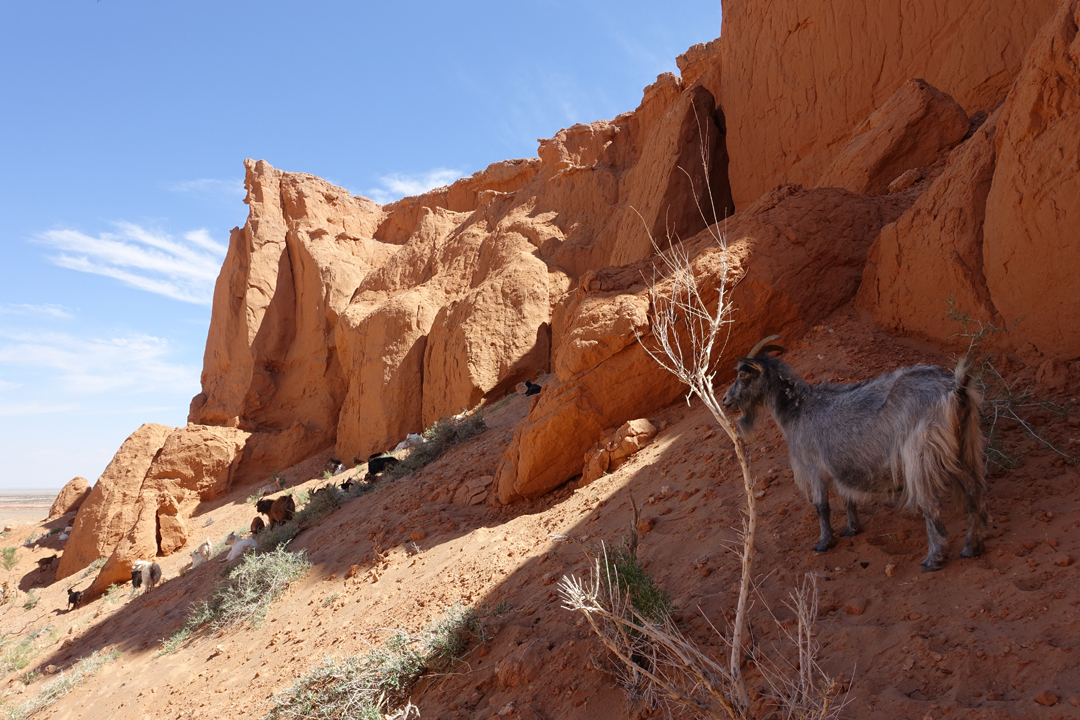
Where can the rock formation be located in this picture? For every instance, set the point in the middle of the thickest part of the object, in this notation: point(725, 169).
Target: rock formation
point(112, 506)
point(71, 496)
point(798, 77)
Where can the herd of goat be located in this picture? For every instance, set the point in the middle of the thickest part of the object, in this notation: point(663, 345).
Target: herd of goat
point(911, 434)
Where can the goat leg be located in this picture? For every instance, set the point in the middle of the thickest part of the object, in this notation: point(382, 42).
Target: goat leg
point(976, 507)
point(937, 535)
point(827, 538)
point(854, 527)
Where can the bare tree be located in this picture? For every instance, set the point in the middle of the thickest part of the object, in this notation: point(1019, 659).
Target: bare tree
point(688, 339)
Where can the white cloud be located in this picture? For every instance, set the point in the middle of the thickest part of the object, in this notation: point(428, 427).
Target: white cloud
point(5, 385)
point(90, 366)
point(184, 270)
point(48, 309)
point(396, 186)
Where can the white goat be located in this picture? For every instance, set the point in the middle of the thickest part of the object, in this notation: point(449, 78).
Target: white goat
point(240, 547)
point(145, 574)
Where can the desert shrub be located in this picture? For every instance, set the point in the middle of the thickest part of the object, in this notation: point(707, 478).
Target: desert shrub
point(32, 600)
point(61, 686)
point(377, 685)
point(251, 588)
point(439, 438)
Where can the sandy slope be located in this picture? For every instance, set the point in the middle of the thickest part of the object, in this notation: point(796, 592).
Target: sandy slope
point(982, 638)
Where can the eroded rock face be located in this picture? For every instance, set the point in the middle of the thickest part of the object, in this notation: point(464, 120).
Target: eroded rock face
point(790, 112)
point(71, 496)
point(1031, 253)
point(934, 252)
point(911, 130)
point(113, 503)
point(195, 463)
point(799, 254)
point(289, 273)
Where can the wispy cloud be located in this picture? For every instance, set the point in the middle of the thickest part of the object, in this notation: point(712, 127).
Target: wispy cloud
point(184, 270)
point(395, 186)
point(46, 309)
point(5, 385)
point(90, 366)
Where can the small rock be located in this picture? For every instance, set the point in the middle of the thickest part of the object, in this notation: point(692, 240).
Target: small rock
point(51, 670)
point(1030, 544)
point(548, 578)
point(646, 524)
point(1046, 698)
point(890, 570)
point(904, 181)
point(993, 696)
point(856, 606)
point(1074, 701)
point(1062, 560)
point(418, 535)
point(353, 571)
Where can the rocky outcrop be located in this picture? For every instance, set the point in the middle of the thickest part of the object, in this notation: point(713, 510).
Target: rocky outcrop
point(798, 77)
point(934, 253)
point(71, 496)
point(615, 447)
point(994, 233)
point(797, 254)
point(911, 130)
point(1031, 253)
point(196, 463)
point(112, 506)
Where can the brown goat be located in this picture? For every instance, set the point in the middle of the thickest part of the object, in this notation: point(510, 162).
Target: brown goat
point(257, 525)
point(263, 506)
point(282, 511)
point(46, 563)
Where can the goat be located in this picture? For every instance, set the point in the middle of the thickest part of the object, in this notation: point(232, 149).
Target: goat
point(45, 563)
point(532, 388)
point(913, 431)
point(204, 549)
point(282, 511)
point(239, 547)
point(145, 574)
point(377, 464)
point(196, 561)
point(263, 506)
point(74, 599)
point(335, 466)
point(257, 525)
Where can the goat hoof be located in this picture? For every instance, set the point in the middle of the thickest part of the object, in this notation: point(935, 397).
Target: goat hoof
point(969, 552)
point(931, 568)
point(851, 533)
point(823, 547)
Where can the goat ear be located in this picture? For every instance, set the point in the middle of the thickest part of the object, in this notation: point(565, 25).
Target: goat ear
point(749, 364)
point(771, 348)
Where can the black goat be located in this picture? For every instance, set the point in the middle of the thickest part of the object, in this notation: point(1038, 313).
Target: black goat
point(532, 388)
point(913, 432)
point(74, 599)
point(377, 464)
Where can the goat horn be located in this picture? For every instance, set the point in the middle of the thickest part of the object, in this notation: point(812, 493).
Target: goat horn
point(754, 353)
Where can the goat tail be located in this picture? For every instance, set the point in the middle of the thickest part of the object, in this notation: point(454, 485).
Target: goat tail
point(969, 434)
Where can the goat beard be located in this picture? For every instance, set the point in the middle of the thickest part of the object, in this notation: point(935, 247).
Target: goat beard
point(746, 424)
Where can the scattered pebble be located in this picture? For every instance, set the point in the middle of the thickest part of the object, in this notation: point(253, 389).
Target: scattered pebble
point(856, 606)
point(1046, 698)
point(890, 570)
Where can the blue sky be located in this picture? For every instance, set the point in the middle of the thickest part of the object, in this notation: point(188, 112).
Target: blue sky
point(125, 124)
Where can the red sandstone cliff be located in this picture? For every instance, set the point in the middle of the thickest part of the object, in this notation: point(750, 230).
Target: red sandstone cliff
point(339, 322)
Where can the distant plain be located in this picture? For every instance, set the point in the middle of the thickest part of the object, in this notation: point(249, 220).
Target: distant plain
point(19, 507)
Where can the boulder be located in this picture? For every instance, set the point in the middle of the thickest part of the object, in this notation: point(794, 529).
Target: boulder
point(200, 459)
point(615, 447)
point(911, 130)
point(113, 504)
point(71, 496)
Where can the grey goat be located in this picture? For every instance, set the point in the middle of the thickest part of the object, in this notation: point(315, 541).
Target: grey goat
point(912, 432)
